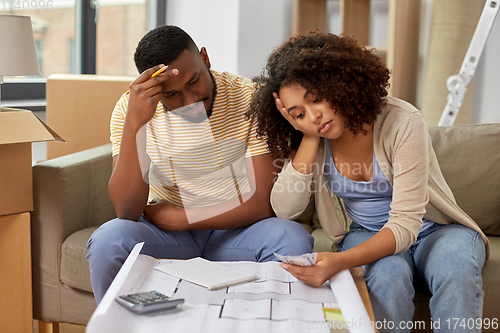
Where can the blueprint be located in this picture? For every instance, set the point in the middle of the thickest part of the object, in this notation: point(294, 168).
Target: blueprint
point(275, 302)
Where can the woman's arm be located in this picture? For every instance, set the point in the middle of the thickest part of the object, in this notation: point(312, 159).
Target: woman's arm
point(381, 245)
point(410, 165)
point(305, 157)
point(292, 190)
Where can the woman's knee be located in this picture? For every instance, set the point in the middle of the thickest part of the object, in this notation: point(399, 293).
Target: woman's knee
point(455, 251)
point(391, 275)
point(355, 237)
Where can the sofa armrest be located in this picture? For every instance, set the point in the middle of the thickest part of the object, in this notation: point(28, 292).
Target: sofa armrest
point(70, 193)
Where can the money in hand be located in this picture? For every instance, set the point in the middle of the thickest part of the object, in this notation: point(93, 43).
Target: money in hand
point(308, 259)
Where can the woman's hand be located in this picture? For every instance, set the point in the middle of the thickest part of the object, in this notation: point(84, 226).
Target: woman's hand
point(327, 265)
point(308, 149)
point(281, 108)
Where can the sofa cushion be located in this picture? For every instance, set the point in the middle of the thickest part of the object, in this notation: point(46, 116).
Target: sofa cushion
point(74, 267)
point(321, 241)
point(469, 156)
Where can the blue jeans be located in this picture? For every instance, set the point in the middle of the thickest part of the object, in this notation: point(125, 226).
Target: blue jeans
point(110, 245)
point(446, 258)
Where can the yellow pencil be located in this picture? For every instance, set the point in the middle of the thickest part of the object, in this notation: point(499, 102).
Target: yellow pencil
point(158, 72)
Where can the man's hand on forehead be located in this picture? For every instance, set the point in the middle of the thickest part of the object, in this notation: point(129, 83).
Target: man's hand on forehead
point(145, 93)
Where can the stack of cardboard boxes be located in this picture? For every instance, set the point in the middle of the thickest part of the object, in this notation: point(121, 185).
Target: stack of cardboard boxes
point(18, 129)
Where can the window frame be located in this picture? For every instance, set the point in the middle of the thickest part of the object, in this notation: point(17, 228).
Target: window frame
point(30, 93)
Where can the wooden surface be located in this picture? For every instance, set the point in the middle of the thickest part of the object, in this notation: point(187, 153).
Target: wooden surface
point(357, 275)
point(45, 327)
point(15, 274)
point(402, 53)
point(308, 15)
point(356, 19)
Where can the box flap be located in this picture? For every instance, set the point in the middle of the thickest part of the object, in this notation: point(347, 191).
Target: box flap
point(18, 126)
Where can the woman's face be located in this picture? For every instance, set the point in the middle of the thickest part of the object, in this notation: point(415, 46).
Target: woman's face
point(312, 116)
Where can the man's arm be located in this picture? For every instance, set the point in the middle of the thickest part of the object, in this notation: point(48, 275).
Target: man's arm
point(256, 208)
point(127, 189)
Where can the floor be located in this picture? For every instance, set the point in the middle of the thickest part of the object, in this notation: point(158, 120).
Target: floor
point(63, 328)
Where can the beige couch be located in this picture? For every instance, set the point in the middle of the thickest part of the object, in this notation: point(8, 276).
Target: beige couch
point(71, 201)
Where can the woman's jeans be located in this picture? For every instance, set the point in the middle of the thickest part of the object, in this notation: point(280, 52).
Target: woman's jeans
point(446, 258)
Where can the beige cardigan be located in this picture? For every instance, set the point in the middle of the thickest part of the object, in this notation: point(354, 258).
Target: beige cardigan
point(404, 152)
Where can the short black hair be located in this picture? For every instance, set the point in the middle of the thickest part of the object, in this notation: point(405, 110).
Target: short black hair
point(161, 45)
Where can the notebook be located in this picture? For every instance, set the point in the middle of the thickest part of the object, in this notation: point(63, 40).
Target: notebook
point(206, 273)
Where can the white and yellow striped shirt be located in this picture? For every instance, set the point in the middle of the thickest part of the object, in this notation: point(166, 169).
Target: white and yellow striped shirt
point(199, 165)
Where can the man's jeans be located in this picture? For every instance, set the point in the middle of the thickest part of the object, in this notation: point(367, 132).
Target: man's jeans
point(110, 245)
point(446, 258)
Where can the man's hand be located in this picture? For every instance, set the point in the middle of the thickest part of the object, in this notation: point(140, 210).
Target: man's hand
point(165, 215)
point(145, 93)
point(326, 266)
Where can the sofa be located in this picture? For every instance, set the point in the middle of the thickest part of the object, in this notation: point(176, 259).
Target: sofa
point(71, 201)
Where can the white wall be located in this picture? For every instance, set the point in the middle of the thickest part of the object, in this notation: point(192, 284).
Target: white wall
point(264, 24)
point(486, 100)
point(379, 23)
point(240, 34)
point(213, 24)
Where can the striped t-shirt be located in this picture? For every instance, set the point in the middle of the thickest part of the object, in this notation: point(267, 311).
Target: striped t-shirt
point(199, 165)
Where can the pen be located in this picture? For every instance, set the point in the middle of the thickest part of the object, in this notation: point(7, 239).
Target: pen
point(158, 72)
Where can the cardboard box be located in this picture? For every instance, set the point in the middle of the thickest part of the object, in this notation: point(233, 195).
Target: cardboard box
point(18, 128)
point(16, 310)
point(79, 108)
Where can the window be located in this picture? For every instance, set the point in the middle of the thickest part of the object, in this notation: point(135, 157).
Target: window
point(53, 29)
point(68, 40)
point(121, 25)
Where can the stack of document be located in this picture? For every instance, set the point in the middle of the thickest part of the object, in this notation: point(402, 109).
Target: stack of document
point(308, 259)
point(206, 273)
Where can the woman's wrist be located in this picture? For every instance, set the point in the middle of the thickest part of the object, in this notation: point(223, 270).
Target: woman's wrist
point(306, 154)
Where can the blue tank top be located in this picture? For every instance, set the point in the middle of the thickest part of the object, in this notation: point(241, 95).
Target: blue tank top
point(367, 202)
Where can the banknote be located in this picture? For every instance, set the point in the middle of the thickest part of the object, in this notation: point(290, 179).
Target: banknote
point(308, 259)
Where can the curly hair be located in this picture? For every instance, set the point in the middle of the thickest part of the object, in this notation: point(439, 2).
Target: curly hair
point(335, 68)
point(161, 45)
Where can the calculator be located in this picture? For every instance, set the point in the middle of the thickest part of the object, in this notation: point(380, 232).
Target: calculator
point(146, 302)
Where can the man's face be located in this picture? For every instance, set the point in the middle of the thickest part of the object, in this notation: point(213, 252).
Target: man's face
point(191, 93)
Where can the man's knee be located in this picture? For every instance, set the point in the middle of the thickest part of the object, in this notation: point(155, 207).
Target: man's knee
point(112, 233)
point(291, 235)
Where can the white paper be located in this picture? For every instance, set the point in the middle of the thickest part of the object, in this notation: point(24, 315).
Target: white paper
point(307, 259)
point(289, 306)
point(353, 309)
point(206, 273)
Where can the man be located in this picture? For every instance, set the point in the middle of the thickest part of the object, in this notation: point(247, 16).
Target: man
point(207, 192)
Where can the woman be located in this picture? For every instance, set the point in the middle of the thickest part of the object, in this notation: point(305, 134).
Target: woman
point(367, 161)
